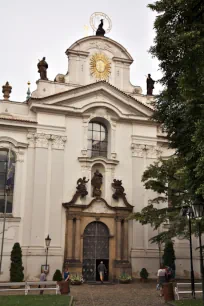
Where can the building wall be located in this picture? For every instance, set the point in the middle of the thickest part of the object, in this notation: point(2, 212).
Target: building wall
point(49, 136)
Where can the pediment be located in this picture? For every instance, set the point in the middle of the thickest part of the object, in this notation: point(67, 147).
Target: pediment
point(99, 94)
point(99, 206)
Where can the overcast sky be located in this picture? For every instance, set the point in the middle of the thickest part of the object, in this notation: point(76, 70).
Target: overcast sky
point(31, 29)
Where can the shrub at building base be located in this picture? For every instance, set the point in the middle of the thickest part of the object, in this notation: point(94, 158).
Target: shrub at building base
point(125, 278)
point(57, 276)
point(144, 275)
point(64, 286)
point(169, 258)
point(16, 270)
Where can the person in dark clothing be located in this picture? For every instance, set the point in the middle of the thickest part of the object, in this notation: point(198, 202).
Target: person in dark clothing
point(101, 270)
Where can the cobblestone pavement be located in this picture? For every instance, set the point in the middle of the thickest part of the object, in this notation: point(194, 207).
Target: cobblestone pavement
point(137, 294)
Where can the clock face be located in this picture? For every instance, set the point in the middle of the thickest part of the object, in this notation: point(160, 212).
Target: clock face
point(100, 66)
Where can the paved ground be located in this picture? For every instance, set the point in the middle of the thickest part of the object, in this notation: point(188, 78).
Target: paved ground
point(135, 294)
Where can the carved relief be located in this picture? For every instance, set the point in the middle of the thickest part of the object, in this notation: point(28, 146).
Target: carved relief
point(58, 142)
point(141, 150)
point(31, 140)
point(41, 140)
point(137, 150)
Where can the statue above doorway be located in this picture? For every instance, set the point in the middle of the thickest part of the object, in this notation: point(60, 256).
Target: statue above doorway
point(119, 191)
point(81, 190)
point(97, 182)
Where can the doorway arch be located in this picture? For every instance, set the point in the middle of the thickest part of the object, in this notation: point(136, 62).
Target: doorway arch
point(95, 249)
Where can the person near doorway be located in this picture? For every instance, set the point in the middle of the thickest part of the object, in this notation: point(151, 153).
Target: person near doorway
point(102, 270)
point(67, 278)
point(161, 274)
point(43, 276)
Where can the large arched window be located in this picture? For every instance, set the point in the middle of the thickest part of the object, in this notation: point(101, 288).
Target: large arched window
point(97, 139)
point(7, 173)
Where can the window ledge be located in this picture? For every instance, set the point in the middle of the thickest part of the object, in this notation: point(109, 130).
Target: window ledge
point(91, 160)
point(9, 218)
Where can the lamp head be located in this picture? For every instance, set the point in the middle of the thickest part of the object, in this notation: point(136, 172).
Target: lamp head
point(47, 241)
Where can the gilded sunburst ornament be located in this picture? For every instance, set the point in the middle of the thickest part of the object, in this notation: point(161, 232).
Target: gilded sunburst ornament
point(100, 66)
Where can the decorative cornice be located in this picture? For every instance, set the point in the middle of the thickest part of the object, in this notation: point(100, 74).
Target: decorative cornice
point(41, 140)
point(92, 160)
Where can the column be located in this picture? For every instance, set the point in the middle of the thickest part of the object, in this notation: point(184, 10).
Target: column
point(69, 237)
point(118, 239)
point(125, 241)
point(78, 239)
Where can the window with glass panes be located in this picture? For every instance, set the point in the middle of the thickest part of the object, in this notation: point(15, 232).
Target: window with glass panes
point(97, 139)
point(4, 164)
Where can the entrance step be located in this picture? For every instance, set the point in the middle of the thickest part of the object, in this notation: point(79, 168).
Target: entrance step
point(99, 283)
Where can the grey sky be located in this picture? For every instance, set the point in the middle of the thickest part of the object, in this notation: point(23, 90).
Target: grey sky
point(37, 28)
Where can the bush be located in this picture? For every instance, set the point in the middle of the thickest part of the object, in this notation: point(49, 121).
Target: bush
point(144, 274)
point(76, 278)
point(124, 276)
point(169, 255)
point(16, 270)
point(57, 277)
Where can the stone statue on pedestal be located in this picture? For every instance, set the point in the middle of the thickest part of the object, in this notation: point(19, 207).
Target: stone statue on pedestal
point(97, 182)
point(42, 69)
point(100, 31)
point(150, 85)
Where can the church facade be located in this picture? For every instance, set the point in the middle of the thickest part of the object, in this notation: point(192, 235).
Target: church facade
point(79, 146)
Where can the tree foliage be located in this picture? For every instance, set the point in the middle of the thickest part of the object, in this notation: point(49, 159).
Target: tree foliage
point(169, 255)
point(179, 110)
point(16, 270)
point(179, 47)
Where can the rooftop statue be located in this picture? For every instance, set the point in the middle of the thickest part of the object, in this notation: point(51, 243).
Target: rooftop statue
point(42, 69)
point(150, 85)
point(100, 31)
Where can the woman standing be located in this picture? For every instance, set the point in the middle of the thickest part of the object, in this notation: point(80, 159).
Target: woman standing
point(67, 278)
point(161, 278)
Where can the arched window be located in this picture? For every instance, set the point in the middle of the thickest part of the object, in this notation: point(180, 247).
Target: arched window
point(97, 139)
point(7, 173)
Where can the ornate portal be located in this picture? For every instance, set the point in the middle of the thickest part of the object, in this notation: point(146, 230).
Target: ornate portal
point(100, 66)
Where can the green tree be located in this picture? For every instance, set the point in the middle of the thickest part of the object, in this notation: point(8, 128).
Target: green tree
point(179, 110)
point(169, 255)
point(179, 47)
point(16, 270)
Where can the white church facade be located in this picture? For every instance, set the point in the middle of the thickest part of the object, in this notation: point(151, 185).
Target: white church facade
point(79, 146)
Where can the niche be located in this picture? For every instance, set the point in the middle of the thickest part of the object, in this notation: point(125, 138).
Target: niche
point(98, 181)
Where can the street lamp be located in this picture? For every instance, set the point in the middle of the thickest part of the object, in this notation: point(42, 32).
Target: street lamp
point(198, 209)
point(187, 211)
point(47, 243)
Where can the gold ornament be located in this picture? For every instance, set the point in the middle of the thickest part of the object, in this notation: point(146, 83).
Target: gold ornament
point(100, 66)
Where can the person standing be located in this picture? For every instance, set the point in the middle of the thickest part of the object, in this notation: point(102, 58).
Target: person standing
point(161, 278)
point(67, 278)
point(43, 276)
point(101, 270)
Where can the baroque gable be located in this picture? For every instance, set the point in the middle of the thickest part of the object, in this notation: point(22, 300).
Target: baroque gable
point(99, 94)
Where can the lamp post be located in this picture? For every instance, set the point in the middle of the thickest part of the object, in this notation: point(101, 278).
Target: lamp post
point(198, 210)
point(47, 243)
point(187, 211)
